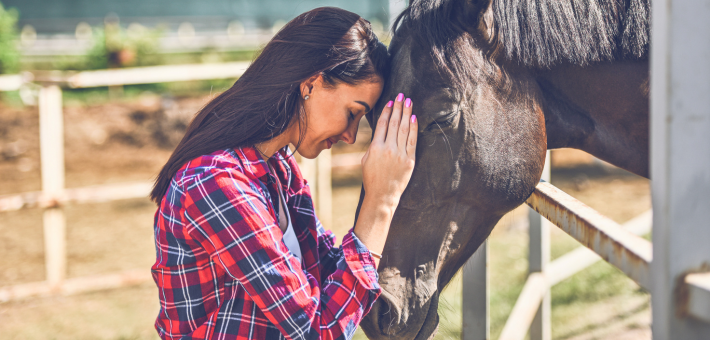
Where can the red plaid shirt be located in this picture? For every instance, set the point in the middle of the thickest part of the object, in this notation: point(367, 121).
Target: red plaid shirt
point(223, 271)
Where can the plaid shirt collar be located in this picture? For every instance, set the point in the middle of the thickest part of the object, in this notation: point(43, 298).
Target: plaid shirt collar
point(253, 163)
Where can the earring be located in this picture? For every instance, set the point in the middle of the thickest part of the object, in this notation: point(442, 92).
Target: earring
point(306, 97)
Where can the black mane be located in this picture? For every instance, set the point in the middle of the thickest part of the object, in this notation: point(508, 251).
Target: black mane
point(539, 33)
point(547, 32)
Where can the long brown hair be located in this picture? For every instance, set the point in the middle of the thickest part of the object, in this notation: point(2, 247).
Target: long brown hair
point(337, 44)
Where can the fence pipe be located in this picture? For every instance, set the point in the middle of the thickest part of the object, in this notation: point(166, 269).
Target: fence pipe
point(579, 259)
point(628, 252)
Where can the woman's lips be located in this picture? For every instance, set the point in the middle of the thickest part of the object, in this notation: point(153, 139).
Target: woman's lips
point(330, 142)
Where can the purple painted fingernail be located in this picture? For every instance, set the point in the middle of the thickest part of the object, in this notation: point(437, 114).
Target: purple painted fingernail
point(414, 119)
point(400, 97)
point(390, 103)
point(408, 103)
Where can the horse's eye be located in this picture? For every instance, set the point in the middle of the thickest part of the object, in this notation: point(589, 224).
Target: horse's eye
point(442, 122)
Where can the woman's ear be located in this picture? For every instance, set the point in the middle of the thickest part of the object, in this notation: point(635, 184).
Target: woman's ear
point(309, 84)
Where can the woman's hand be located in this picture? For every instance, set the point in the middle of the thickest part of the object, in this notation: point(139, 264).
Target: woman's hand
point(386, 169)
point(389, 161)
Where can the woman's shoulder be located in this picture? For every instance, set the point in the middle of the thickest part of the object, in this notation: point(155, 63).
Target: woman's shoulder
point(232, 161)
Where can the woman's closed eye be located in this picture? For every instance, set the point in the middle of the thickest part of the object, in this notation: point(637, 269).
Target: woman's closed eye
point(352, 116)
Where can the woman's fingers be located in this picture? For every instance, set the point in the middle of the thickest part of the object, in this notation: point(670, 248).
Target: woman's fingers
point(404, 125)
point(395, 120)
point(382, 123)
point(412, 139)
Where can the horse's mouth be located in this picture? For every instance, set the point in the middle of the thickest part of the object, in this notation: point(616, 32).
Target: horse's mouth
point(431, 322)
point(426, 331)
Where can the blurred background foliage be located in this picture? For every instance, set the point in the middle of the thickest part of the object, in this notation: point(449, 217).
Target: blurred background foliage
point(9, 55)
point(115, 47)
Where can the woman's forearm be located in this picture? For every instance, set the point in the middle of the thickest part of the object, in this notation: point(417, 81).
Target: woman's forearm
point(373, 223)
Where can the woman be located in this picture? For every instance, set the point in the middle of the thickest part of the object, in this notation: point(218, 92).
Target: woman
point(240, 252)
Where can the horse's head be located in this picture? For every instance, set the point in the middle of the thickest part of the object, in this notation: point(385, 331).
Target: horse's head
point(480, 153)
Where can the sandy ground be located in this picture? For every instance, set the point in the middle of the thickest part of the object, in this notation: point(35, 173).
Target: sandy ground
point(129, 141)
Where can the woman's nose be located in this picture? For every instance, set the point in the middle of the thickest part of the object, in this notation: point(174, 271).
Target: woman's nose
point(350, 134)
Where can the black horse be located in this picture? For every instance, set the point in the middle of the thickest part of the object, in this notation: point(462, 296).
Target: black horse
point(495, 84)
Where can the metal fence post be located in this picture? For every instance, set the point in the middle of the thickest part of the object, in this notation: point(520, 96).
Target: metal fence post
point(539, 257)
point(475, 311)
point(680, 161)
point(51, 131)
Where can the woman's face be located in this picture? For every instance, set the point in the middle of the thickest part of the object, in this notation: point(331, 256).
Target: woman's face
point(333, 113)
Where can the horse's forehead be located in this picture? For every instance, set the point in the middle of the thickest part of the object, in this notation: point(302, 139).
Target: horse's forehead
point(402, 66)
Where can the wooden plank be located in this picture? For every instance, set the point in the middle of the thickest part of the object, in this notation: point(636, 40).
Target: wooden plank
point(535, 289)
point(51, 130)
point(309, 170)
point(90, 194)
point(698, 295)
point(154, 74)
point(325, 189)
point(75, 285)
point(11, 82)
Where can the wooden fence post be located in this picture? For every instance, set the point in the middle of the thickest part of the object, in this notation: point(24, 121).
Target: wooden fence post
point(539, 257)
point(318, 174)
point(51, 131)
point(324, 187)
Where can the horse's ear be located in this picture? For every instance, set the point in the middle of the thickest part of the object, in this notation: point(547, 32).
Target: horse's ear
point(479, 17)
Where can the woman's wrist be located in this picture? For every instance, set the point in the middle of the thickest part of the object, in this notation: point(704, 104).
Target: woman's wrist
point(373, 223)
point(386, 203)
point(382, 208)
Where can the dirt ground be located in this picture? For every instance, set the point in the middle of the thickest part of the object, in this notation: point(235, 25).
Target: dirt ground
point(129, 141)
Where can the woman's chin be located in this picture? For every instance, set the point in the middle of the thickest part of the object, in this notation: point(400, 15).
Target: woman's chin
point(309, 153)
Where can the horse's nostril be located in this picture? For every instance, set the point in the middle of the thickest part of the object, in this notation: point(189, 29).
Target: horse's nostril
point(388, 317)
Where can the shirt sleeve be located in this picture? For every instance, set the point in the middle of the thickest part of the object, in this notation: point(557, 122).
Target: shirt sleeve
point(330, 256)
point(229, 216)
